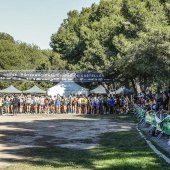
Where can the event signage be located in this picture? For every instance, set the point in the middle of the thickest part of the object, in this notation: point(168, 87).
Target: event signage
point(52, 76)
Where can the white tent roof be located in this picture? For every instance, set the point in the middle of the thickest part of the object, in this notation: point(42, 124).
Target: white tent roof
point(100, 90)
point(10, 89)
point(66, 88)
point(123, 90)
point(34, 89)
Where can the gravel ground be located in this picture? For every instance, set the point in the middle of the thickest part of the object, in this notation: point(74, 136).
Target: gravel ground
point(69, 131)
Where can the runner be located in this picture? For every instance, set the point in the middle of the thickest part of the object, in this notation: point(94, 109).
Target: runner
point(28, 103)
point(6, 101)
point(111, 104)
point(79, 104)
point(93, 105)
point(46, 102)
point(52, 105)
point(74, 104)
point(88, 105)
point(57, 103)
point(97, 102)
point(42, 104)
point(104, 104)
point(21, 104)
point(35, 104)
point(1, 100)
point(64, 104)
point(84, 104)
point(69, 104)
point(15, 104)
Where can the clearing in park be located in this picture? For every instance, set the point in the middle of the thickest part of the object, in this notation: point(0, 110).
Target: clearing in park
point(65, 141)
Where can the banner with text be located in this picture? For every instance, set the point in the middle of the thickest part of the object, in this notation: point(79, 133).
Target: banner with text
point(52, 76)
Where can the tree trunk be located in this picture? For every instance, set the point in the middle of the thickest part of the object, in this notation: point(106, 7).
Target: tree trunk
point(145, 83)
point(133, 84)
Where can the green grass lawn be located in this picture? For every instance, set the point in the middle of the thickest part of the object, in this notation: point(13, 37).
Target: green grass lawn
point(120, 118)
point(117, 151)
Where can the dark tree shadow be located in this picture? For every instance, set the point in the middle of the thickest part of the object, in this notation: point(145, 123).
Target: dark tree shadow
point(43, 151)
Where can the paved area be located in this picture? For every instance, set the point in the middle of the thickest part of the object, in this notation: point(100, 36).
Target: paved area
point(69, 131)
point(162, 142)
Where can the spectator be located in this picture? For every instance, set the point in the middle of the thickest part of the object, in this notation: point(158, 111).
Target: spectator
point(1, 100)
point(159, 101)
point(168, 100)
point(165, 100)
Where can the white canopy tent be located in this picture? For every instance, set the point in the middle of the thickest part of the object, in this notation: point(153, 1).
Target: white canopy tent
point(66, 88)
point(10, 89)
point(35, 89)
point(100, 90)
point(123, 90)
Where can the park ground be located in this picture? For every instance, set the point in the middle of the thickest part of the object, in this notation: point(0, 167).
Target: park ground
point(65, 141)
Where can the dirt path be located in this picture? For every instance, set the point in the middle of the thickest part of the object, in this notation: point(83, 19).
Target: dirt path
point(69, 131)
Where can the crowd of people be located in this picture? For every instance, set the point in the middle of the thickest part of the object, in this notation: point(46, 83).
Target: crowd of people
point(157, 102)
point(77, 104)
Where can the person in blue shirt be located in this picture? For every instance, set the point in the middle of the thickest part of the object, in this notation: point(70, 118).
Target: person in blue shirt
point(111, 104)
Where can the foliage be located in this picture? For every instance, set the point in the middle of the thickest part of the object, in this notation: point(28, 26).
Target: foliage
point(16, 55)
point(120, 38)
point(128, 39)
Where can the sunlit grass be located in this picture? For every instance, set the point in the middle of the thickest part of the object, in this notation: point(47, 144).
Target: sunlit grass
point(119, 150)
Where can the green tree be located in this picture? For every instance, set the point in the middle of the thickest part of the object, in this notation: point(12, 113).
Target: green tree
point(128, 39)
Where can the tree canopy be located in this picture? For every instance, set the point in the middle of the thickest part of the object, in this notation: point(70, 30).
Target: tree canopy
point(122, 38)
point(16, 55)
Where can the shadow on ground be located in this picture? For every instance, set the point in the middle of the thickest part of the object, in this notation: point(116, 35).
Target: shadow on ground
point(36, 143)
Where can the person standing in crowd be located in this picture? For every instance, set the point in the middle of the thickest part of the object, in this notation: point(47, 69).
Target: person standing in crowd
point(1, 100)
point(50, 104)
point(15, 102)
point(35, 104)
point(6, 104)
point(28, 103)
point(64, 104)
point(101, 104)
point(58, 103)
point(111, 105)
point(92, 104)
point(88, 105)
point(79, 101)
point(117, 105)
point(46, 102)
point(42, 104)
point(125, 104)
point(165, 100)
point(11, 104)
point(69, 104)
point(104, 105)
point(142, 101)
point(168, 100)
point(24, 104)
point(32, 105)
point(21, 104)
point(159, 102)
point(84, 104)
point(97, 103)
point(75, 104)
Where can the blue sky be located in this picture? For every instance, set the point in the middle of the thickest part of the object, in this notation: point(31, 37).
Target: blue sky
point(34, 21)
